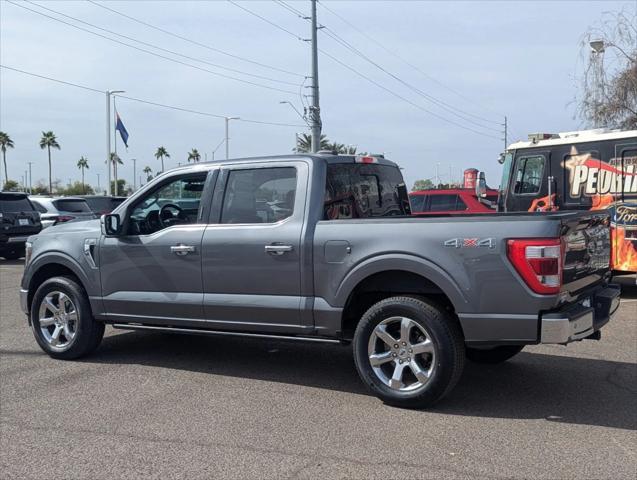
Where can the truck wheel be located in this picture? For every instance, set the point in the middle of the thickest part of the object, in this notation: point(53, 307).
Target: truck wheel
point(409, 352)
point(493, 355)
point(62, 320)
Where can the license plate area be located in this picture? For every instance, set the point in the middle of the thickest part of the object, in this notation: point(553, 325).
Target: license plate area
point(23, 222)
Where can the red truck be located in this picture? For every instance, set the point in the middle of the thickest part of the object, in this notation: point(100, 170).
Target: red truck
point(452, 201)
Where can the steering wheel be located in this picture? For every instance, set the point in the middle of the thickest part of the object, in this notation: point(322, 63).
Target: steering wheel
point(166, 217)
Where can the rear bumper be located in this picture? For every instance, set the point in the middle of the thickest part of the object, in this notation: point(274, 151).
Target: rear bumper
point(13, 241)
point(580, 320)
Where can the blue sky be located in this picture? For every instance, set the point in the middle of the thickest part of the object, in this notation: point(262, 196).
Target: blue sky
point(487, 59)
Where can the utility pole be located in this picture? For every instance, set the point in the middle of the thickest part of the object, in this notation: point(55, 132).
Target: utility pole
point(99, 188)
point(315, 109)
point(437, 175)
point(506, 132)
point(108, 138)
point(227, 137)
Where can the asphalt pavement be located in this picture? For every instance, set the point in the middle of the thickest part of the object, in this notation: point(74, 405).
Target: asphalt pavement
point(153, 405)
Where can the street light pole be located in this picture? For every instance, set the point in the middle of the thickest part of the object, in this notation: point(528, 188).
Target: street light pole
point(227, 137)
point(108, 134)
point(134, 173)
point(30, 179)
point(99, 188)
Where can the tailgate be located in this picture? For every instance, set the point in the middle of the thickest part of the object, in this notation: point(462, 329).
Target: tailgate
point(20, 223)
point(587, 248)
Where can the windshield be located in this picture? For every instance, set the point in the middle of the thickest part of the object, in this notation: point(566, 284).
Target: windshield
point(506, 173)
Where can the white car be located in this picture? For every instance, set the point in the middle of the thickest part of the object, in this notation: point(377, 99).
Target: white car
point(54, 210)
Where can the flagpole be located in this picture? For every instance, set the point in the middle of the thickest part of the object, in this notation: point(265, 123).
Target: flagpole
point(116, 186)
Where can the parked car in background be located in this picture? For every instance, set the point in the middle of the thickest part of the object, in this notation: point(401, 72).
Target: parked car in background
point(452, 201)
point(102, 204)
point(18, 220)
point(54, 210)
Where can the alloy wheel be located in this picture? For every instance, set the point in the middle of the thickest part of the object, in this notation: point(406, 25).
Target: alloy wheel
point(402, 354)
point(58, 320)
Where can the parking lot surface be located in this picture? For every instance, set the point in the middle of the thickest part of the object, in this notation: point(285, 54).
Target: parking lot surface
point(175, 406)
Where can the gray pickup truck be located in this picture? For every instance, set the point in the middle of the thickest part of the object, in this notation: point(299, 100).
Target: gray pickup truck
point(322, 248)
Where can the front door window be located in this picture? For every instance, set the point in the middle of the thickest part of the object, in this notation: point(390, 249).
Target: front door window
point(174, 203)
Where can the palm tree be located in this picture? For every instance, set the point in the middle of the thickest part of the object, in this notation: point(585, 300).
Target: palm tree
point(49, 141)
point(194, 155)
point(304, 144)
point(341, 148)
point(82, 163)
point(161, 153)
point(148, 171)
point(115, 160)
point(5, 142)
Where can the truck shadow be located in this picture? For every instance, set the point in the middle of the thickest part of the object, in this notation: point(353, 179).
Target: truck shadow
point(530, 386)
point(628, 285)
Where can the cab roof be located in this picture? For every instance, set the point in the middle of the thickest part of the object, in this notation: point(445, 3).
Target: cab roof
point(569, 138)
point(329, 158)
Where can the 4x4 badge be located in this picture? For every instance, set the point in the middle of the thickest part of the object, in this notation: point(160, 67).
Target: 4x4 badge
point(470, 242)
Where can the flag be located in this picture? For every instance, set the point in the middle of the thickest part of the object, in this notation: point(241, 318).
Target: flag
point(119, 126)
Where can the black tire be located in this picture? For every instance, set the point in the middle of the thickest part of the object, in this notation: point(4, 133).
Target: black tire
point(445, 367)
point(13, 254)
point(88, 332)
point(493, 355)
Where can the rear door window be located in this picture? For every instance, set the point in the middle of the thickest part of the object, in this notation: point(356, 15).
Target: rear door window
point(14, 204)
point(260, 195)
point(74, 206)
point(528, 175)
point(38, 206)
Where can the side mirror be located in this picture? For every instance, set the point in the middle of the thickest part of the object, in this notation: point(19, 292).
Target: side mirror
point(481, 186)
point(111, 224)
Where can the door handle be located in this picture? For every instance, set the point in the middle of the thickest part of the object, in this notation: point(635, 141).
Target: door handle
point(182, 249)
point(278, 249)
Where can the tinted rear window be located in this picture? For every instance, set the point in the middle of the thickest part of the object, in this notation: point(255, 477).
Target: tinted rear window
point(101, 204)
point(357, 190)
point(445, 203)
point(75, 206)
point(417, 202)
point(14, 203)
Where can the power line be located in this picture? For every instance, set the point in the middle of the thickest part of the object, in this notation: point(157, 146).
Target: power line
point(330, 33)
point(367, 78)
point(154, 53)
point(194, 42)
point(172, 107)
point(429, 77)
point(163, 49)
point(275, 25)
point(52, 79)
point(419, 107)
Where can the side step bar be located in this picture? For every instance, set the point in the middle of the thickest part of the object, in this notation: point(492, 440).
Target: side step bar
point(195, 331)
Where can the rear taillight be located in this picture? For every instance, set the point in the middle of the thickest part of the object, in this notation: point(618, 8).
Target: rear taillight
point(63, 218)
point(539, 262)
